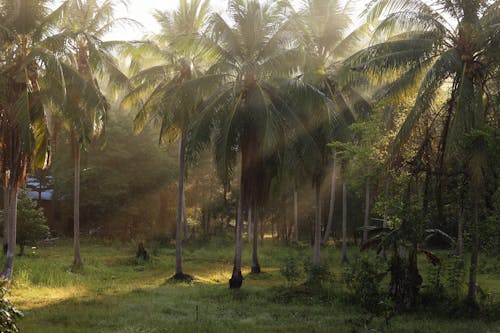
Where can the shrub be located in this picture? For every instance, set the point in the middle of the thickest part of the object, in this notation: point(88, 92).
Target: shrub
point(290, 269)
point(318, 273)
point(455, 275)
point(31, 222)
point(8, 313)
point(363, 278)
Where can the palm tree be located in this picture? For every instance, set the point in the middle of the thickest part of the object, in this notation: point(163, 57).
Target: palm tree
point(248, 107)
point(421, 50)
point(165, 92)
point(86, 58)
point(324, 27)
point(29, 78)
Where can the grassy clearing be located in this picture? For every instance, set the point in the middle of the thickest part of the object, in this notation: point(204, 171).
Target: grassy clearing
point(114, 293)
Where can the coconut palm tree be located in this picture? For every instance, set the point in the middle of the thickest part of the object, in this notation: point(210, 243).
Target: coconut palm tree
point(324, 33)
point(30, 76)
point(256, 56)
point(86, 58)
point(415, 46)
point(166, 92)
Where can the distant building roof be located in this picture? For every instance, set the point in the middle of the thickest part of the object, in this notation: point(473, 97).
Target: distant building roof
point(45, 195)
point(43, 191)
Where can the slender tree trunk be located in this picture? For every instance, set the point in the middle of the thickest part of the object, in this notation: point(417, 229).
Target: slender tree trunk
point(317, 227)
point(332, 201)
point(295, 217)
point(367, 211)
point(77, 260)
point(237, 278)
point(255, 257)
point(471, 294)
point(249, 226)
point(5, 218)
point(344, 223)
point(11, 236)
point(179, 274)
point(460, 232)
point(184, 216)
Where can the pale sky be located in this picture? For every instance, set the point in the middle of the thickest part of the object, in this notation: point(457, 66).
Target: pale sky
point(141, 11)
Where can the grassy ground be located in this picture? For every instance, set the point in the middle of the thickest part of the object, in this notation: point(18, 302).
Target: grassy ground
point(115, 293)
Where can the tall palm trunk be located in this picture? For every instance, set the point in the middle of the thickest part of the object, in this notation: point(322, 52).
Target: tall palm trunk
point(249, 226)
point(77, 260)
point(366, 222)
point(317, 226)
point(184, 217)
point(332, 201)
point(295, 217)
point(11, 236)
point(5, 218)
point(471, 294)
point(180, 212)
point(255, 258)
point(237, 278)
point(344, 223)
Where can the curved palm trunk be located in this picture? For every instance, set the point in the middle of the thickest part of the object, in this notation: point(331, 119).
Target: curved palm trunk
point(255, 258)
point(295, 217)
point(317, 227)
point(11, 236)
point(332, 202)
point(180, 212)
point(366, 222)
point(237, 278)
point(344, 223)
point(77, 260)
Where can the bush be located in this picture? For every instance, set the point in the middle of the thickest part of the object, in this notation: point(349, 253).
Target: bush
point(290, 269)
point(455, 277)
point(363, 278)
point(8, 313)
point(31, 222)
point(318, 273)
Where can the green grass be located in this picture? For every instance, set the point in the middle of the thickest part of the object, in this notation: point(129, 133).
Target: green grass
point(114, 293)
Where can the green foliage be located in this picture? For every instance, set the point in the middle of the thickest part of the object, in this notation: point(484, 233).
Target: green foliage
point(31, 221)
point(120, 182)
point(8, 313)
point(454, 278)
point(290, 269)
point(363, 279)
point(320, 273)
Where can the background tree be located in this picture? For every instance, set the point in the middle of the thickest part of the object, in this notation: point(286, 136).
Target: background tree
point(421, 49)
point(29, 78)
point(85, 109)
point(324, 26)
point(163, 90)
point(254, 53)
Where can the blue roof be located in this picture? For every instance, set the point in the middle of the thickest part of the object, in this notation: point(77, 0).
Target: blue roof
point(45, 195)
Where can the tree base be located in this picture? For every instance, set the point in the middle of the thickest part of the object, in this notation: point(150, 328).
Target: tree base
point(256, 269)
point(236, 280)
point(182, 277)
point(77, 267)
